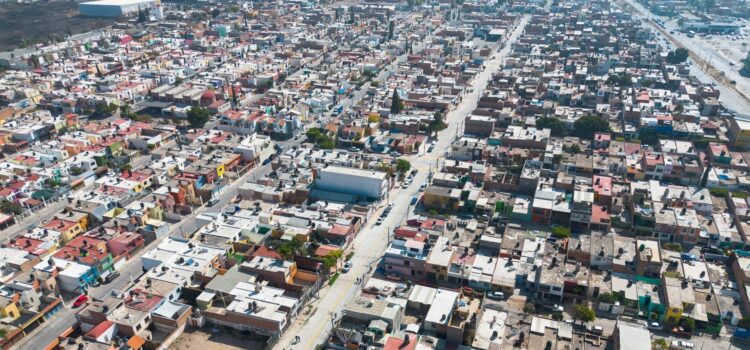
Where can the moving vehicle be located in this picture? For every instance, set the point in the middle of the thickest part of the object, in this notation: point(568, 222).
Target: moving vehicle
point(347, 267)
point(82, 299)
point(111, 277)
point(379, 221)
point(212, 202)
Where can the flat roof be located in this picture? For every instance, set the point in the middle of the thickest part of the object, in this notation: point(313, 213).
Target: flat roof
point(442, 307)
point(633, 337)
point(116, 2)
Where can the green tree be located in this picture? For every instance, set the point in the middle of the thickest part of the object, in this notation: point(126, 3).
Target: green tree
point(396, 104)
point(9, 207)
point(659, 344)
point(623, 80)
point(402, 165)
point(143, 15)
point(688, 323)
point(105, 109)
point(124, 110)
point(529, 308)
point(437, 123)
point(575, 149)
point(52, 183)
point(198, 117)
point(608, 298)
point(556, 126)
point(584, 313)
point(745, 71)
point(319, 138)
point(648, 136)
point(677, 56)
point(585, 127)
point(234, 97)
point(288, 249)
point(332, 257)
point(560, 232)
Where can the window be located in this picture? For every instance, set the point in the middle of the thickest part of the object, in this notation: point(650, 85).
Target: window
point(138, 327)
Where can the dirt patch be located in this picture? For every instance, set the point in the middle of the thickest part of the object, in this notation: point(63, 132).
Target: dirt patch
point(42, 22)
point(210, 338)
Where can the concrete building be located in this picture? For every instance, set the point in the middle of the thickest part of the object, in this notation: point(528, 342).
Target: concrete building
point(113, 8)
point(364, 183)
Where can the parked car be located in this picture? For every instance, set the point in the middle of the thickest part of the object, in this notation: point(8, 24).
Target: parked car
point(557, 308)
point(595, 329)
point(212, 202)
point(681, 344)
point(111, 277)
point(681, 332)
point(654, 326)
point(379, 221)
point(496, 295)
point(347, 267)
point(82, 299)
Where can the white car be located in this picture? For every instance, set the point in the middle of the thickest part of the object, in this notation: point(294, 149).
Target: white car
point(681, 344)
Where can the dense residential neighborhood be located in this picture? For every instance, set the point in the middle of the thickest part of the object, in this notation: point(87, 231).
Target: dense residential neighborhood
point(560, 174)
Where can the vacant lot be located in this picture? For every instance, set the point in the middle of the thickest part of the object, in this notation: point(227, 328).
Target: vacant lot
point(205, 339)
point(40, 22)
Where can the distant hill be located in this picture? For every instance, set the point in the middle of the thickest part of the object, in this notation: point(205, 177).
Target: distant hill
point(40, 22)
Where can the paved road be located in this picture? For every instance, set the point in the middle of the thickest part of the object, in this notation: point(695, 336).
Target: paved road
point(372, 241)
point(37, 218)
point(65, 318)
point(133, 268)
point(729, 96)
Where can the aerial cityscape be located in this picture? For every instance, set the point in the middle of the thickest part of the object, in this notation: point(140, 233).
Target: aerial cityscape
point(375, 174)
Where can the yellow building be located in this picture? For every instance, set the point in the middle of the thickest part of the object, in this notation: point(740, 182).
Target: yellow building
point(680, 298)
point(9, 308)
point(68, 229)
point(739, 131)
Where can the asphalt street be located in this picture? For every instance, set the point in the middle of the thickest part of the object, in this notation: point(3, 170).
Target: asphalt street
point(371, 243)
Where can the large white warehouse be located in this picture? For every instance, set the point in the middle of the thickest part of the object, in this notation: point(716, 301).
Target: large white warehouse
point(364, 183)
point(113, 8)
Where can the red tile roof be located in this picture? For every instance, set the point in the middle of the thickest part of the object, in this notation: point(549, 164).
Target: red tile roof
point(394, 343)
point(97, 331)
point(340, 230)
point(267, 253)
point(324, 250)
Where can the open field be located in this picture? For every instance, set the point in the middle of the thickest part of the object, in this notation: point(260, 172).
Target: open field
point(28, 24)
point(203, 339)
